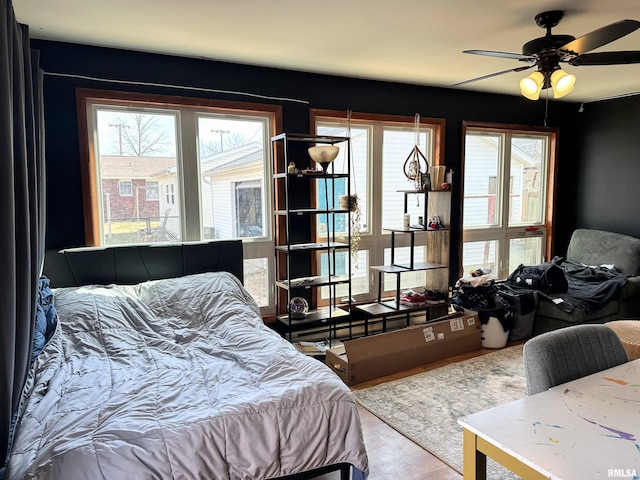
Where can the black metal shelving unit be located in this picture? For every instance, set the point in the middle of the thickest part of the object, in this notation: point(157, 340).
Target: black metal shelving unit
point(293, 278)
point(436, 202)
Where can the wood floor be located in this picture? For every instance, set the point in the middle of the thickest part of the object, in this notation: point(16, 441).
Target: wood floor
point(393, 456)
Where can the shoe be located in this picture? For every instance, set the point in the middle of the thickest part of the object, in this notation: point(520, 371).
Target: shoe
point(435, 297)
point(412, 299)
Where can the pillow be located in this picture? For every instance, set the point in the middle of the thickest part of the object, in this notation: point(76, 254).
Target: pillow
point(46, 318)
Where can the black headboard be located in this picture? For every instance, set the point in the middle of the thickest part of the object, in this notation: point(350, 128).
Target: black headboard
point(131, 264)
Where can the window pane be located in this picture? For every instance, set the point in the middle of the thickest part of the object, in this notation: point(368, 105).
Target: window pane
point(125, 188)
point(256, 279)
point(409, 279)
point(527, 251)
point(360, 138)
point(329, 193)
point(527, 180)
point(479, 254)
point(359, 277)
point(481, 177)
point(141, 146)
point(397, 146)
point(232, 169)
point(152, 190)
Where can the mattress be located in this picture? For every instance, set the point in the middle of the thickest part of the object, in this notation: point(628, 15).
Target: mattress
point(178, 378)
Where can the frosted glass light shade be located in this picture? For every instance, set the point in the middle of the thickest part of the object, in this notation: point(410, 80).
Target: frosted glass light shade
point(562, 83)
point(530, 86)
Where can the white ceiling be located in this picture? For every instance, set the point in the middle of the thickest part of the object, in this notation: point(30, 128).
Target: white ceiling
point(412, 41)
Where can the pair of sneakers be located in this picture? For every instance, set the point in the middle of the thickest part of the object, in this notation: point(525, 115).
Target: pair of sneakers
point(413, 298)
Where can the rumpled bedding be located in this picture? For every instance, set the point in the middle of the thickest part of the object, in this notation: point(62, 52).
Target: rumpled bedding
point(178, 378)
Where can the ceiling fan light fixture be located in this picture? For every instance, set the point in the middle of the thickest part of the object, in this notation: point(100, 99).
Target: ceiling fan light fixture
point(530, 86)
point(562, 83)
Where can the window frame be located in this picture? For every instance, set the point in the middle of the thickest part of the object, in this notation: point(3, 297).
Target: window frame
point(254, 248)
point(503, 233)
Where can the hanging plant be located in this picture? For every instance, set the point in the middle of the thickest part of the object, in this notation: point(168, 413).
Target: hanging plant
point(351, 203)
point(356, 224)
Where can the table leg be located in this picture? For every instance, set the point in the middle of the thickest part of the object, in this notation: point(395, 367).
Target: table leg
point(474, 462)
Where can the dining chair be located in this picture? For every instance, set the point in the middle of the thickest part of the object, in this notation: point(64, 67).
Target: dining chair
point(563, 355)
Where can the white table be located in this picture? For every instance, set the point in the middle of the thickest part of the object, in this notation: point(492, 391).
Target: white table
point(584, 429)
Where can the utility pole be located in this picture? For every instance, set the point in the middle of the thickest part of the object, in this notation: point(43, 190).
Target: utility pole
point(221, 132)
point(119, 126)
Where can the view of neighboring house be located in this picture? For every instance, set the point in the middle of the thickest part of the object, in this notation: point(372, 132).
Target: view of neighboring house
point(129, 191)
point(144, 191)
point(233, 178)
point(480, 190)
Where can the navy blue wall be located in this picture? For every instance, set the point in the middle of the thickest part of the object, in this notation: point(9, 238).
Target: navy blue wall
point(65, 218)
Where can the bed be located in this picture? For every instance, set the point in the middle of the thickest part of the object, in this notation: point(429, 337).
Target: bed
point(175, 377)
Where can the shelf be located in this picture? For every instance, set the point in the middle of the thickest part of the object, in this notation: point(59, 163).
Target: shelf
point(314, 318)
point(418, 266)
point(301, 247)
point(388, 307)
point(437, 253)
point(308, 282)
point(423, 191)
point(393, 305)
point(311, 211)
point(315, 174)
point(414, 229)
point(296, 217)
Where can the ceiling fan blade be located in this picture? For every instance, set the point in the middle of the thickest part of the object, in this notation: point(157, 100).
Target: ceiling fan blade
point(491, 53)
point(519, 69)
point(600, 37)
point(607, 58)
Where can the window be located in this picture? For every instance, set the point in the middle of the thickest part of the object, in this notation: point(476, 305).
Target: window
point(125, 188)
point(380, 146)
point(199, 170)
point(507, 196)
point(248, 206)
point(152, 191)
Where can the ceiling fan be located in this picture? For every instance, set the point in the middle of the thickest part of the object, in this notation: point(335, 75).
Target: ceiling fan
point(548, 52)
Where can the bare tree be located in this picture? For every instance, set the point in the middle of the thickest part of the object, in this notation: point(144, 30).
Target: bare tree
point(140, 135)
point(227, 142)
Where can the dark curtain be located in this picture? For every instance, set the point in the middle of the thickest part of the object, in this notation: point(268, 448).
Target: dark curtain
point(22, 211)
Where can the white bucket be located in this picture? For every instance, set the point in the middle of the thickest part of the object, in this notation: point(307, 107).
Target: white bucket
point(493, 335)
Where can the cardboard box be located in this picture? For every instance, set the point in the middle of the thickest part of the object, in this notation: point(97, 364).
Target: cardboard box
point(366, 358)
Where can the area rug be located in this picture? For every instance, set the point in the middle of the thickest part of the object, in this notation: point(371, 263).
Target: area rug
point(425, 407)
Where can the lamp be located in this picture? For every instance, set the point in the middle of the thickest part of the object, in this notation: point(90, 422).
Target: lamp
point(530, 86)
point(324, 155)
point(562, 83)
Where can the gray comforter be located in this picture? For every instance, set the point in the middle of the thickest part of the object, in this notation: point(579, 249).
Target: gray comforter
point(178, 378)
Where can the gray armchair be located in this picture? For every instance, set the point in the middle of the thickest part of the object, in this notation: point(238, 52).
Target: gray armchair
point(563, 355)
point(596, 247)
